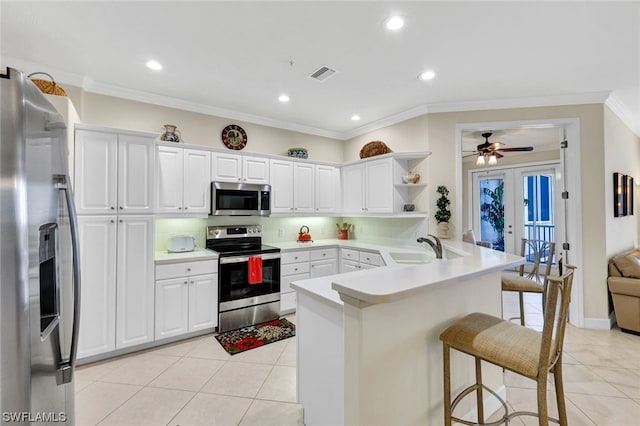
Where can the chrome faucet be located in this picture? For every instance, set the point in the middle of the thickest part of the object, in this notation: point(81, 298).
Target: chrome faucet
point(436, 245)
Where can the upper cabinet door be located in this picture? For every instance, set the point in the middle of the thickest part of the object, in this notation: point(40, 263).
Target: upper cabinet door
point(197, 181)
point(135, 174)
point(281, 172)
point(96, 171)
point(169, 179)
point(327, 188)
point(255, 170)
point(353, 188)
point(379, 186)
point(303, 187)
point(226, 167)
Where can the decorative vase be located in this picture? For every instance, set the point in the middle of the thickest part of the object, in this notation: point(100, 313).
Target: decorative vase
point(170, 134)
point(443, 230)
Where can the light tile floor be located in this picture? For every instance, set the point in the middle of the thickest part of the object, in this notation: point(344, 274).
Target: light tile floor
point(195, 382)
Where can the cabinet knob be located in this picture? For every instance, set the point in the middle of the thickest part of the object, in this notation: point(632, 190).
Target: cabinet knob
point(179, 208)
point(188, 269)
point(186, 282)
point(291, 208)
point(121, 208)
point(186, 208)
point(113, 221)
point(120, 221)
point(317, 208)
point(324, 254)
point(295, 269)
point(113, 208)
point(239, 179)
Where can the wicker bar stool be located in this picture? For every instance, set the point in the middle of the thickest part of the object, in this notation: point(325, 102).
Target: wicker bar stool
point(532, 281)
point(519, 349)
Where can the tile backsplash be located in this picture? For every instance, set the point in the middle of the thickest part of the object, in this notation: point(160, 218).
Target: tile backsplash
point(393, 231)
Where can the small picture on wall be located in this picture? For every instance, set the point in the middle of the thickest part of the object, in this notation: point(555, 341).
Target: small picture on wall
point(619, 199)
point(629, 187)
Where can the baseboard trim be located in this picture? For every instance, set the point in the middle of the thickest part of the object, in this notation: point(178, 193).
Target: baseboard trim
point(599, 323)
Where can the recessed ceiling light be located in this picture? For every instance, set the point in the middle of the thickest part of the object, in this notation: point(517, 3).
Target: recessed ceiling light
point(283, 98)
point(154, 65)
point(394, 23)
point(355, 117)
point(427, 75)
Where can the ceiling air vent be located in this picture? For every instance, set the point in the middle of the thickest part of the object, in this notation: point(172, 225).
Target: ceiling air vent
point(322, 73)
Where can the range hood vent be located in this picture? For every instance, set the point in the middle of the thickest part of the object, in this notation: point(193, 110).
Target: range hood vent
point(323, 73)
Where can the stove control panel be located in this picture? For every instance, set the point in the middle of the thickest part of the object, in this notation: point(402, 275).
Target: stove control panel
point(216, 232)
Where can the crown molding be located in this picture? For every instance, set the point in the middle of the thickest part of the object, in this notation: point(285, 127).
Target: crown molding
point(623, 113)
point(167, 101)
point(87, 84)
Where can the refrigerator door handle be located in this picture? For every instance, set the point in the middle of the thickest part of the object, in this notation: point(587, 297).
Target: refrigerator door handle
point(66, 367)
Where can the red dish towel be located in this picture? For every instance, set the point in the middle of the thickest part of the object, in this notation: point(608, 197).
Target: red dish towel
point(255, 270)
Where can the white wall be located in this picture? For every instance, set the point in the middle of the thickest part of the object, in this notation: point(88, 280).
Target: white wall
point(436, 132)
point(622, 155)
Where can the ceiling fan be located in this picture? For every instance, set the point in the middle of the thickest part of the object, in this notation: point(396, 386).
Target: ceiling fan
point(491, 151)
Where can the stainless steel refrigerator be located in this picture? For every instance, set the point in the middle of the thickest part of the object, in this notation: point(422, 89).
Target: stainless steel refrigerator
point(39, 265)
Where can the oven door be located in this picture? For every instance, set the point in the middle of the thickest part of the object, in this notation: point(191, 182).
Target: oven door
point(234, 290)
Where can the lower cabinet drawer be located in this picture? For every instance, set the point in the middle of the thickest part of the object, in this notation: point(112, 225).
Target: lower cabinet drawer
point(294, 257)
point(175, 270)
point(371, 258)
point(294, 268)
point(323, 254)
point(350, 254)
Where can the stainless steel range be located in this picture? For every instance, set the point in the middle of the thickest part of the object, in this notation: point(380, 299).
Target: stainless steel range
point(248, 276)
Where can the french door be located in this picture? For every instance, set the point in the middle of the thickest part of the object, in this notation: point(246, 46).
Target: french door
point(517, 202)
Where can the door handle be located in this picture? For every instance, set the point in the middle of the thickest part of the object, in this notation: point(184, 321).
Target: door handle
point(66, 367)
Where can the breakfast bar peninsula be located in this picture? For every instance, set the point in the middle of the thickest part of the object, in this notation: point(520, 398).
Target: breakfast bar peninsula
point(368, 346)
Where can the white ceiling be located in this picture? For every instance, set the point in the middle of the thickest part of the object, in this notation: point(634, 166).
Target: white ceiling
point(232, 59)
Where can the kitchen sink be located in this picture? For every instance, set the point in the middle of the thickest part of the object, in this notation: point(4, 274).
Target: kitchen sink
point(412, 258)
point(421, 258)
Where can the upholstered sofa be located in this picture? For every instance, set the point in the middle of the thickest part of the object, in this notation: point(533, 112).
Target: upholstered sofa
point(624, 284)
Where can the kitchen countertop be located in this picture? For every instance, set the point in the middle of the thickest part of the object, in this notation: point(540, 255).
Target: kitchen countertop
point(164, 257)
point(398, 281)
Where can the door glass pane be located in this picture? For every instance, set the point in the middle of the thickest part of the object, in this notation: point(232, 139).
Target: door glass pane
point(538, 207)
point(492, 212)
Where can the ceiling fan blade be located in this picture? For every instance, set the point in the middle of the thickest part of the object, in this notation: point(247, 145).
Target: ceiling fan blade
point(475, 154)
point(517, 149)
point(497, 154)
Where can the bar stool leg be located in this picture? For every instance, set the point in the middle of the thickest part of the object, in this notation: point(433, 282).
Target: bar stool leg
point(447, 384)
point(543, 414)
point(562, 408)
point(521, 297)
point(479, 398)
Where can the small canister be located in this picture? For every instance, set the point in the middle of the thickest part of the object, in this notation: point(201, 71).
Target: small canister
point(343, 234)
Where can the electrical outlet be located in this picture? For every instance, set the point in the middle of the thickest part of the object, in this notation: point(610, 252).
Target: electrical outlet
point(280, 232)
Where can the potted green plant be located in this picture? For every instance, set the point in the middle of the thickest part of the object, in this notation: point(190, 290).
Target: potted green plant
point(492, 211)
point(443, 215)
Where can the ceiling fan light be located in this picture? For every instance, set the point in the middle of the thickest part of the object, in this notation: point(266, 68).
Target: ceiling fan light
point(480, 160)
point(493, 160)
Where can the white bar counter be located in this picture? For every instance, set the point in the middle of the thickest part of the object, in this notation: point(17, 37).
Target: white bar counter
point(368, 346)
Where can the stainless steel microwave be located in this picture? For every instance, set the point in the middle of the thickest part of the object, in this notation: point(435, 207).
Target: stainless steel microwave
point(240, 199)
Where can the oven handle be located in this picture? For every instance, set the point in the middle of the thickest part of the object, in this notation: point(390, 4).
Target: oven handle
point(241, 259)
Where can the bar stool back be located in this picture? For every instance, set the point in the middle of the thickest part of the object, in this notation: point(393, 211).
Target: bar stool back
point(519, 349)
point(532, 280)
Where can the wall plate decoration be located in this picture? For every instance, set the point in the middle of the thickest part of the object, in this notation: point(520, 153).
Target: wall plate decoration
point(234, 137)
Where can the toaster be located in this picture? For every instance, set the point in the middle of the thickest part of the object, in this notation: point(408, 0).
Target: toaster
point(182, 243)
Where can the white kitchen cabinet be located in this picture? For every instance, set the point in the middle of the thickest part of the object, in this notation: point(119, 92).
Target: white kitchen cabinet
point(186, 298)
point(281, 186)
point(226, 167)
point(135, 281)
point(113, 172)
point(368, 187)
point(353, 194)
point(117, 282)
point(97, 235)
point(172, 307)
point(354, 260)
point(327, 188)
point(323, 262)
point(294, 267)
point(182, 180)
point(303, 188)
